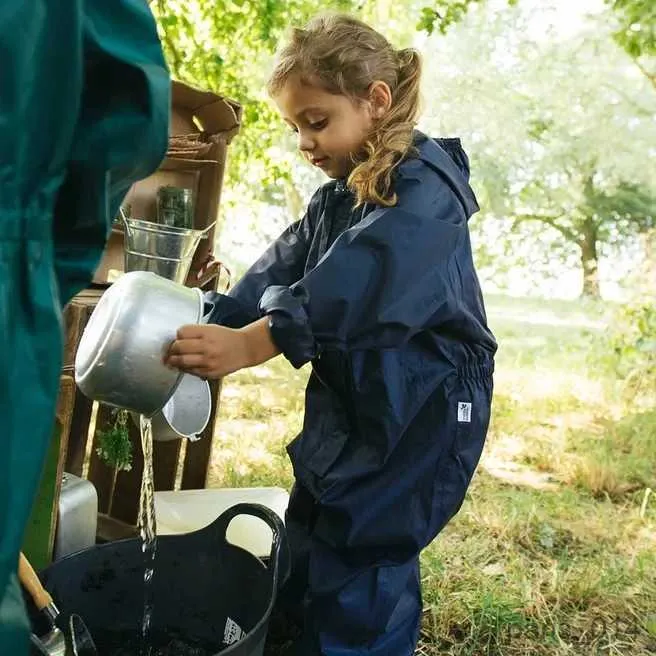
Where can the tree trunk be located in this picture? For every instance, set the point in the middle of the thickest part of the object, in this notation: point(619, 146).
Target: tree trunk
point(589, 260)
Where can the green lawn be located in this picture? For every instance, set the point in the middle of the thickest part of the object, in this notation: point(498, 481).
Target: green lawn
point(554, 550)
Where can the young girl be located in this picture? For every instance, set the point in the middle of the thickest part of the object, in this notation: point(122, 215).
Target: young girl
point(375, 286)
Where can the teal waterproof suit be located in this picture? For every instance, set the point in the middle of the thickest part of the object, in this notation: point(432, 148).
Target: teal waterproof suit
point(84, 108)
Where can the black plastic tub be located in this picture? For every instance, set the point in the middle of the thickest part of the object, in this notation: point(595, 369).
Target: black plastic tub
point(207, 594)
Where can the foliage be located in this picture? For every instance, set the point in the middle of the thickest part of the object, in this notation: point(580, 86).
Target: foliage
point(445, 13)
point(226, 46)
point(635, 31)
point(634, 26)
point(552, 123)
point(114, 445)
point(548, 152)
point(631, 345)
point(637, 25)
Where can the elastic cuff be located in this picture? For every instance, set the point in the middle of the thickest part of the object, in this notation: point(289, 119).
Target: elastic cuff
point(289, 325)
point(225, 311)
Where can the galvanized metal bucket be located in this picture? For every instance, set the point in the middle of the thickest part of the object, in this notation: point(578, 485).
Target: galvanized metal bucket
point(165, 250)
point(167, 267)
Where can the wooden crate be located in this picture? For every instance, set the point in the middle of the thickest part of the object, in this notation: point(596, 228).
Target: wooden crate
point(118, 500)
point(39, 537)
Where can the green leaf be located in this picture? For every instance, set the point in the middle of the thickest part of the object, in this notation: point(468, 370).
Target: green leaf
point(114, 445)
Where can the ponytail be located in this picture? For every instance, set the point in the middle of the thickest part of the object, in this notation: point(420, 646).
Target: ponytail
point(392, 138)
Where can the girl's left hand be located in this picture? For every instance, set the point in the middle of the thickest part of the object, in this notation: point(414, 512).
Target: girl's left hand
point(209, 351)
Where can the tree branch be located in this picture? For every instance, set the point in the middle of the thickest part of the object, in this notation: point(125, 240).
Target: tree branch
point(648, 74)
point(176, 64)
point(549, 220)
point(637, 108)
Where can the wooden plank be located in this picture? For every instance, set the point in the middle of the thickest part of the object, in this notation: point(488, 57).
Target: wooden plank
point(78, 434)
point(110, 529)
point(99, 473)
point(76, 317)
point(128, 487)
point(165, 463)
point(198, 454)
point(39, 537)
point(65, 405)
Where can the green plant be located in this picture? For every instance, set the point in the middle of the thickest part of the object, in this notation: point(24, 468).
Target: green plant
point(632, 345)
point(114, 445)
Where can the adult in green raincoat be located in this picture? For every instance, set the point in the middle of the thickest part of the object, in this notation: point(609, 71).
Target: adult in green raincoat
point(84, 107)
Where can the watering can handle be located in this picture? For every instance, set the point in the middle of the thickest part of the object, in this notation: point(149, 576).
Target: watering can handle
point(279, 556)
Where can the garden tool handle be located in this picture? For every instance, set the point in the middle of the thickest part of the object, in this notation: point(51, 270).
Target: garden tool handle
point(32, 583)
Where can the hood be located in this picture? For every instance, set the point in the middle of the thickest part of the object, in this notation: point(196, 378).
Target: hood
point(448, 159)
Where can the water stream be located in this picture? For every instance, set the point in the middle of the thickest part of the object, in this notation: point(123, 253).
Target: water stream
point(148, 529)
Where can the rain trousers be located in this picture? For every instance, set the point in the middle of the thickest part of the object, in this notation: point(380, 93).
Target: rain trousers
point(84, 107)
point(386, 305)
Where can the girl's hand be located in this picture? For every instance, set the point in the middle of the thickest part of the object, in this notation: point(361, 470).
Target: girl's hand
point(211, 351)
point(208, 351)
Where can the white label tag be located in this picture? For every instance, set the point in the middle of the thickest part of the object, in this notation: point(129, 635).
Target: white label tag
point(464, 412)
point(232, 632)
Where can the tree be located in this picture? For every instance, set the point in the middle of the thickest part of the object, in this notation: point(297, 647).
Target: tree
point(558, 129)
point(532, 113)
point(227, 46)
point(634, 29)
point(601, 217)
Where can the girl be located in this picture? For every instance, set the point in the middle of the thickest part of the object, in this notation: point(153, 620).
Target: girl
point(375, 286)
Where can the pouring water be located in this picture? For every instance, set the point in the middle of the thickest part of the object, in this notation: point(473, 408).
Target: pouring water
point(148, 529)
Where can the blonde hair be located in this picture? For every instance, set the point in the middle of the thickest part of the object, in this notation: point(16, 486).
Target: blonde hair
point(345, 56)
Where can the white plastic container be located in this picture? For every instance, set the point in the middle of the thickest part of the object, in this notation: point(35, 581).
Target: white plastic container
point(184, 511)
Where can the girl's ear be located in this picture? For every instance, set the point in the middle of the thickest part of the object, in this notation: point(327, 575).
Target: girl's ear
point(380, 98)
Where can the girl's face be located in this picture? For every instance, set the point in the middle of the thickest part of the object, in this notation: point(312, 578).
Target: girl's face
point(330, 127)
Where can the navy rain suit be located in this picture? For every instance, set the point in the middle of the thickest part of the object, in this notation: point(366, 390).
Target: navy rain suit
point(386, 304)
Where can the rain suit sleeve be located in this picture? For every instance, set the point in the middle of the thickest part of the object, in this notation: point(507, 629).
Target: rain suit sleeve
point(121, 134)
point(381, 282)
point(283, 263)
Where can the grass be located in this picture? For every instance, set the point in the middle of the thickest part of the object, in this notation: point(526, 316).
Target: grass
point(554, 550)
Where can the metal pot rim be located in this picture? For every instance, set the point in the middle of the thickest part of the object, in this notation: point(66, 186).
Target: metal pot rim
point(164, 429)
point(207, 395)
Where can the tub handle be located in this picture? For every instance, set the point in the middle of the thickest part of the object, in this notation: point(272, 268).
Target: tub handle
point(279, 558)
